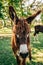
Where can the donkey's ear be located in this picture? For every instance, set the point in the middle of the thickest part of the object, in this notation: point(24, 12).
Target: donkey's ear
point(29, 19)
point(12, 14)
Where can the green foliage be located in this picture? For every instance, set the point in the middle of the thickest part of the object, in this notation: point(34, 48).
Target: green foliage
point(1, 6)
point(19, 7)
point(42, 17)
point(1, 24)
point(1, 15)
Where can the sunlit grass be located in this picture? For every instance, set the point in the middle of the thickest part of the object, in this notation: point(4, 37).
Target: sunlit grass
point(7, 56)
point(5, 30)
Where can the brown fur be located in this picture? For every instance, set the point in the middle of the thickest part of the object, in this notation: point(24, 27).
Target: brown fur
point(21, 28)
point(38, 28)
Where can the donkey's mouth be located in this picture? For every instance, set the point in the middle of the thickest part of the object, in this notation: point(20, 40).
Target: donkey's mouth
point(24, 55)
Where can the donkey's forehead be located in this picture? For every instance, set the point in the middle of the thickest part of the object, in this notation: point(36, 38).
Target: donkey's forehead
point(22, 25)
point(22, 22)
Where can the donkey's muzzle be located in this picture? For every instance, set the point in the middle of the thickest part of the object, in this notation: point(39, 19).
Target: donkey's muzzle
point(24, 55)
point(23, 50)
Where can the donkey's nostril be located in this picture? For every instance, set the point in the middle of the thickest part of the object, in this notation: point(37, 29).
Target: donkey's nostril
point(24, 55)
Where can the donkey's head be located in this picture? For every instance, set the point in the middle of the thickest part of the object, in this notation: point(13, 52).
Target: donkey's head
point(21, 27)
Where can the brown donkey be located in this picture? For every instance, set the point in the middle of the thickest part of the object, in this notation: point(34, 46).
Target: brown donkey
point(21, 36)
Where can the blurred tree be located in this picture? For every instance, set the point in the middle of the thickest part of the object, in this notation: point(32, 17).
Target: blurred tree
point(42, 17)
point(23, 8)
point(3, 11)
point(1, 6)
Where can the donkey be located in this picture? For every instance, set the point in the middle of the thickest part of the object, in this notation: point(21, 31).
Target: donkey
point(21, 36)
point(38, 28)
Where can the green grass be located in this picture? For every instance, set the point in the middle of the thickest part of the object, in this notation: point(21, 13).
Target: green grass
point(7, 56)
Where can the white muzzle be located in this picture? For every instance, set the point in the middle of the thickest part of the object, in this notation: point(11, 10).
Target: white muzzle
point(23, 48)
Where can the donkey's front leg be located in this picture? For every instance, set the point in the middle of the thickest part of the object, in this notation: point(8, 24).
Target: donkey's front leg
point(24, 61)
point(17, 57)
point(20, 61)
point(29, 49)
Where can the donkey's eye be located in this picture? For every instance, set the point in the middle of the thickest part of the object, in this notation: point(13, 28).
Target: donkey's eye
point(28, 35)
point(17, 36)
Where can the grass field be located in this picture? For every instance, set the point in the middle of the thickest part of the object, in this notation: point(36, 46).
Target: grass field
point(7, 56)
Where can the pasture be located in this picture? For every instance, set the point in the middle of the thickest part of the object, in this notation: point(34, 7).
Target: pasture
point(22, 9)
point(7, 56)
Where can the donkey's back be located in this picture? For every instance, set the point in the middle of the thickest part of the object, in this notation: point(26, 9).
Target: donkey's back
point(38, 28)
